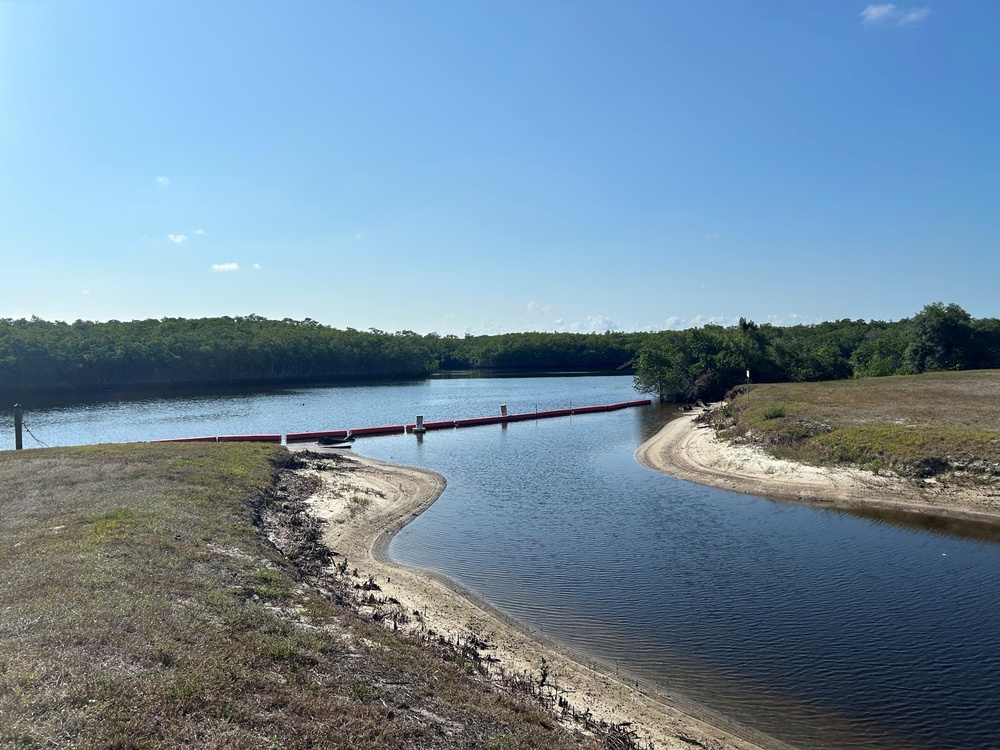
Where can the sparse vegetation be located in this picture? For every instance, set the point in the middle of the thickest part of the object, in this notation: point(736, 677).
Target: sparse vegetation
point(144, 606)
point(922, 426)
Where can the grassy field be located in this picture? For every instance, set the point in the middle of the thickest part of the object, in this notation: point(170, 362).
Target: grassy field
point(141, 606)
point(922, 426)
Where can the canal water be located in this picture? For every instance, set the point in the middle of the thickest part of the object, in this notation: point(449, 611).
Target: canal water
point(818, 627)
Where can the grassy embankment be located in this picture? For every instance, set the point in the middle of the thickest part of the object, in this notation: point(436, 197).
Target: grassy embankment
point(141, 605)
point(943, 425)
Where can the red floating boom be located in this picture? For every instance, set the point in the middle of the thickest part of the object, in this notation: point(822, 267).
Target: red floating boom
point(374, 431)
point(476, 421)
point(445, 425)
point(304, 437)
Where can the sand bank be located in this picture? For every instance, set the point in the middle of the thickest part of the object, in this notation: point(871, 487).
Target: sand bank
point(367, 504)
point(688, 450)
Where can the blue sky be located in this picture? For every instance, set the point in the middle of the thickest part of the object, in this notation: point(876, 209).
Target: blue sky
point(499, 165)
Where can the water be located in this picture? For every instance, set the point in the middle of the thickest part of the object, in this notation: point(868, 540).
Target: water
point(821, 628)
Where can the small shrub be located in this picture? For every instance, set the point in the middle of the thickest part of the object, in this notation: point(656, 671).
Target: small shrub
point(774, 412)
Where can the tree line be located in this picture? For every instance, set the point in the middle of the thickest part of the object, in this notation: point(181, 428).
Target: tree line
point(707, 362)
point(38, 355)
point(679, 365)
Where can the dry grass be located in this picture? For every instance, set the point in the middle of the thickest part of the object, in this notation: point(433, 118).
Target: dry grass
point(917, 426)
point(142, 607)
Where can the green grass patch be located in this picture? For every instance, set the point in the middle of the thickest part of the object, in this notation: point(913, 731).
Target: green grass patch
point(917, 426)
point(142, 607)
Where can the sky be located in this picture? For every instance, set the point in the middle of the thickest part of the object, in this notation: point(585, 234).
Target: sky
point(485, 166)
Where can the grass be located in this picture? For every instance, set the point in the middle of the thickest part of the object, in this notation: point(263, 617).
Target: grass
point(141, 606)
point(920, 426)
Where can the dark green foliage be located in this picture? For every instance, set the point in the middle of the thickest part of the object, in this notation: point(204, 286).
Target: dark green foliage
point(707, 362)
point(36, 354)
point(677, 365)
point(39, 355)
point(541, 352)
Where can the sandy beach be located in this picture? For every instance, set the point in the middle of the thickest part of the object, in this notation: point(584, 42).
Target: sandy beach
point(688, 450)
point(367, 504)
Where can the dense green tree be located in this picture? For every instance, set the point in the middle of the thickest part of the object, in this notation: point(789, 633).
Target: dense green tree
point(706, 362)
point(941, 339)
point(682, 365)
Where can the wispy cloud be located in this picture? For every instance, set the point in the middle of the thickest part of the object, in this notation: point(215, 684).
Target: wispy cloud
point(539, 309)
point(711, 236)
point(677, 323)
point(199, 231)
point(257, 266)
point(595, 324)
point(893, 15)
point(85, 291)
point(163, 181)
point(177, 239)
point(226, 267)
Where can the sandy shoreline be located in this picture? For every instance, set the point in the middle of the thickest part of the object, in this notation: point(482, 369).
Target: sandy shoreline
point(368, 502)
point(688, 450)
point(391, 496)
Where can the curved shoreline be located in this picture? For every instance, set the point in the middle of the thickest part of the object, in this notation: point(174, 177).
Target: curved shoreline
point(690, 451)
point(399, 494)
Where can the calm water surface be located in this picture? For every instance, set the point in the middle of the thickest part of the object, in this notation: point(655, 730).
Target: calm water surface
point(820, 628)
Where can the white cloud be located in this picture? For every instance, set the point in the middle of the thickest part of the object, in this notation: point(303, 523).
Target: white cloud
point(700, 320)
point(890, 14)
point(177, 239)
point(163, 181)
point(199, 231)
point(256, 266)
point(536, 309)
point(85, 291)
point(226, 267)
point(711, 237)
point(677, 323)
point(601, 323)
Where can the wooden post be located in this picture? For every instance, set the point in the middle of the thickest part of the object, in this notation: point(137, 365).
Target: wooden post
point(18, 423)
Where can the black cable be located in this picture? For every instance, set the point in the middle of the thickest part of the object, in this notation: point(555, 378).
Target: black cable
point(28, 430)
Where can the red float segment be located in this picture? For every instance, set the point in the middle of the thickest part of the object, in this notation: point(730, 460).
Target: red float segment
point(303, 437)
point(249, 438)
point(476, 421)
point(588, 409)
point(443, 425)
point(554, 413)
point(374, 431)
point(519, 417)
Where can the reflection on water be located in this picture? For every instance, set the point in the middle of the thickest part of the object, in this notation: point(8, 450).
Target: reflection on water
point(823, 628)
point(957, 527)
